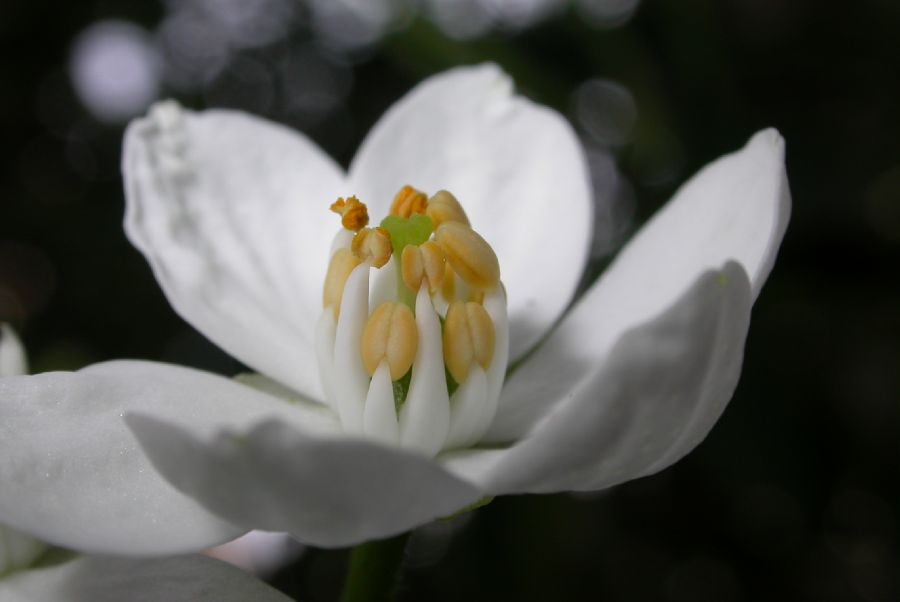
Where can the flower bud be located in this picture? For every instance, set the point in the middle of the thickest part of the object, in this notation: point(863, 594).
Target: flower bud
point(390, 334)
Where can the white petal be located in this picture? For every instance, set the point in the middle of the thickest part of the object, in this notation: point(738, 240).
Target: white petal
point(516, 167)
point(328, 492)
point(736, 208)
point(666, 384)
point(324, 341)
point(260, 553)
point(12, 354)
point(175, 579)
point(231, 213)
point(74, 475)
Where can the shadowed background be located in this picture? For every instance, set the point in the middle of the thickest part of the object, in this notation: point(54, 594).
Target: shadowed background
point(794, 495)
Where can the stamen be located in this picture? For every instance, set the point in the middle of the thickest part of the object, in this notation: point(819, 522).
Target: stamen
point(390, 335)
point(435, 263)
point(354, 215)
point(408, 201)
point(443, 207)
point(425, 261)
point(425, 416)
point(467, 408)
point(412, 269)
point(372, 244)
point(379, 415)
point(342, 263)
point(468, 338)
point(448, 288)
point(469, 255)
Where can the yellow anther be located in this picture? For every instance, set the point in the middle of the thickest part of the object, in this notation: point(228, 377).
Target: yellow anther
point(408, 201)
point(443, 207)
point(468, 338)
point(372, 244)
point(354, 215)
point(435, 264)
point(412, 268)
point(448, 288)
point(390, 334)
point(469, 255)
point(342, 263)
point(426, 261)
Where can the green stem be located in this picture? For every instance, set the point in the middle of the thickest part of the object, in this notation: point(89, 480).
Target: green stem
point(374, 570)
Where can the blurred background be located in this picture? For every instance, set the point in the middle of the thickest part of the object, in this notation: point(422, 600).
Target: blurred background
point(794, 495)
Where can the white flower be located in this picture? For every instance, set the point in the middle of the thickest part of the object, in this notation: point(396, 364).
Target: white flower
point(26, 577)
point(13, 360)
point(229, 211)
point(191, 578)
point(17, 550)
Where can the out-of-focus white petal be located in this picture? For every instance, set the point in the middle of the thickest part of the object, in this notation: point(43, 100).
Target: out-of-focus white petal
point(260, 553)
point(231, 211)
point(516, 167)
point(13, 360)
point(665, 385)
point(736, 208)
point(74, 475)
point(328, 492)
point(175, 579)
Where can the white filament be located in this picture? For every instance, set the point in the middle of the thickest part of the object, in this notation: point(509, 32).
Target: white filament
point(351, 387)
point(495, 306)
point(380, 415)
point(425, 416)
point(384, 285)
point(466, 407)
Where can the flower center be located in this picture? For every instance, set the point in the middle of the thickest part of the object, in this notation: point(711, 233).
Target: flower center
point(415, 356)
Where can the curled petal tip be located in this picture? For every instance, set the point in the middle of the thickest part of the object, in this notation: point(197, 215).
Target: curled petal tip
point(769, 138)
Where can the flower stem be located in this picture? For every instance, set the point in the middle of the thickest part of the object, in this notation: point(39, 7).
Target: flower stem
point(374, 570)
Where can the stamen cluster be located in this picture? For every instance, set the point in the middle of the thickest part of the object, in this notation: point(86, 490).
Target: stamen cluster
point(424, 367)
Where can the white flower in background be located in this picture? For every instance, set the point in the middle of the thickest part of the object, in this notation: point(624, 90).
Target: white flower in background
point(191, 578)
point(230, 211)
point(13, 360)
point(30, 572)
point(17, 550)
